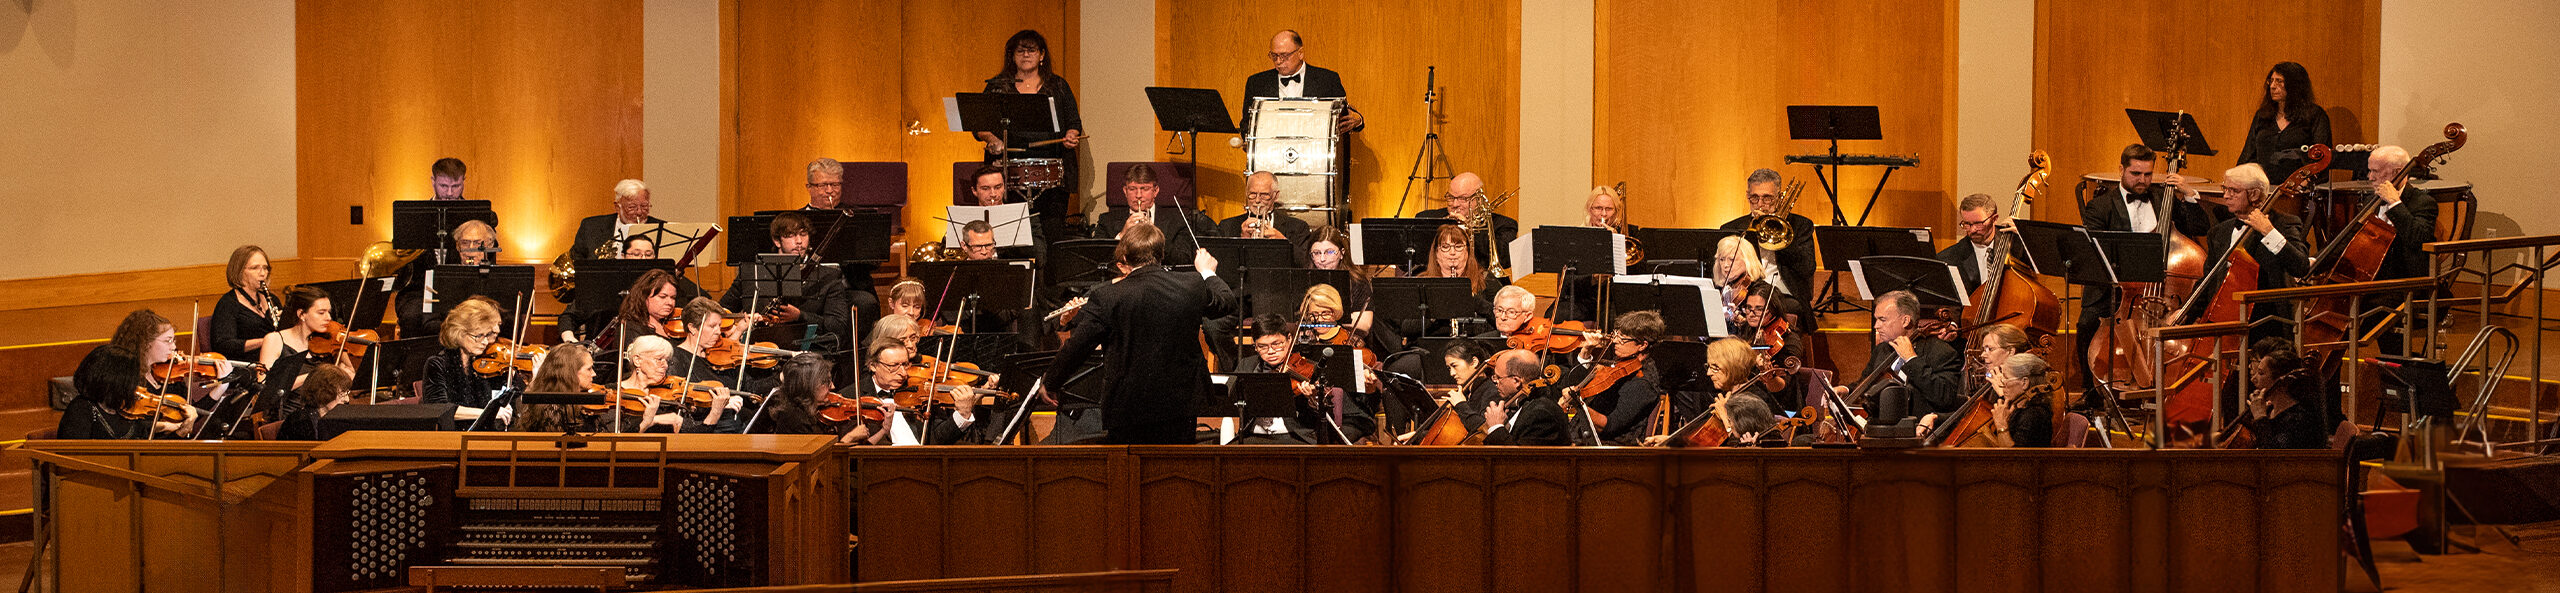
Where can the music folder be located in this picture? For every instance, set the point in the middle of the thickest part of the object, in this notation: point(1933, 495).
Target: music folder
point(1936, 283)
point(1554, 249)
point(1012, 223)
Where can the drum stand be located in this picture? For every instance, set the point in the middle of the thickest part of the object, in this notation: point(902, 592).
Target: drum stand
point(1430, 151)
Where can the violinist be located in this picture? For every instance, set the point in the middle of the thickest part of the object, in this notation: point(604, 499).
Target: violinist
point(1737, 267)
point(807, 381)
point(1328, 248)
point(1621, 388)
point(2282, 410)
point(1515, 315)
point(708, 327)
point(575, 322)
point(1776, 338)
point(646, 367)
point(1274, 352)
point(567, 368)
point(645, 311)
point(934, 425)
point(112, 379)
point(899, 329)
point(2278, 246)
point(469, 330)
point(1520, 414)
point(906, 298)
point(2131, 204)
point(2025, 405)
point(1261, 218)
point(244, 316)
point(1933, 369)
point(287, 352)
point(1733, 371)
point(1978, 217)
point(1790, 268)
point(324, 390)
point(828, 301)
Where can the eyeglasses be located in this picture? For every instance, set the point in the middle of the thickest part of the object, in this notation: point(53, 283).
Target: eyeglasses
point(1026, 50)
point(828, 184)
point(1276, 56)
point(484, 335)
point(892, 365)
point(1452, 247)
point(980, 245)
point(1509, 311)
point(1271, 347)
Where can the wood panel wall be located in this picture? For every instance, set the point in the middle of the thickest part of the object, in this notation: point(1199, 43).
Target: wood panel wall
point(1693, 97)
point(1497, 519)
point(803, 80)
point(2094, 60)
point(540, 99)
point(1382, 50)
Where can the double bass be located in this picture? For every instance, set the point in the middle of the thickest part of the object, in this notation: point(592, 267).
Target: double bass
point(2012, 296)
point(2234, 271)
point(2356, 255)
point(2120, 355)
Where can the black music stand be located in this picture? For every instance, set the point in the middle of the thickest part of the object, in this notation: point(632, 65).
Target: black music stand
point(1401, 242)
point(360, 295)
point(1834, 123)
point(1682, 364)
point(2135, 257)
point(990, 285)
point(2062, 251)
point(1690, 307)
point(1004, 114)
point(1079, 264)
point(1573, 249)
point(669, 241)
point(1676, 244)
point(1936, 283)
point(1424, 300)
point(395, 363)
point(774, 276)
point(428, 224)
point(2170, 131)
point(835, 236)
point(603, 282)
point(450, 284)
point(1279, 290)
point(1240, 257)
point(749, 236)
point(1838, 245)
point(1192, 112)
point(1247, 395)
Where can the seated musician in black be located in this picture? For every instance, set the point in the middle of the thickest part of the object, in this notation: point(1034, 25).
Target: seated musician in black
point(1518, 414)
point(244, 316)
point(1979, 219)
point(824, 303)
point(1622, 405)
point(1791, 267)
point(324, 390)
point(468, 331)
point(109, 381)
point(1461, 202)
point(475, 243)
point(2413, 225)
point(794, 407)
point(567, 368)
point(578, 324)
point(1261, 218)
point(2283, 410)
point(691, 361)
point(2274, 240)
point(1928, 365)
point(645, 365)
point(1474, 388)
point(2026, 405)
point(1741, 400)
point(1274, 352)
point(1178, 223)
point(1776, 345)
point(932, 425)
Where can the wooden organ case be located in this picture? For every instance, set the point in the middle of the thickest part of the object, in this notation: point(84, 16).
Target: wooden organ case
point(666, 510)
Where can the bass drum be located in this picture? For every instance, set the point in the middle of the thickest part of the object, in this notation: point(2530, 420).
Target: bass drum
point(1295, 141)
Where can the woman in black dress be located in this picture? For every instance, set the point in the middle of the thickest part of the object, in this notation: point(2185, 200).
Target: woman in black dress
point(2288, 118)
point(569, 368)
point(1026, 71)
point(468, 330)
point(793, 409)
point(2284, 410)
point(287, 351)
point(244, 317)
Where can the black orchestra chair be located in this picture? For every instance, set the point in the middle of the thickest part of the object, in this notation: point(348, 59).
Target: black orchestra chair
point(1173, 180)
point(879, 186)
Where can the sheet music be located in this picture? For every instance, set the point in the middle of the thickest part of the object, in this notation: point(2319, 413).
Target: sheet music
point(673, 238)
point(1359, 256)
point(951, 114)
point(1012, 223)
point(1522, 250)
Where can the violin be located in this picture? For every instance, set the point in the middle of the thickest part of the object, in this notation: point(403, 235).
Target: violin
point(675, 328)
point(728, 353)
point(334, 337)
point(1543, 334)
point(210, 365)
point(1338, 335)
point(837, 408)
point(929, 370)
point(928, 327)
point(1603, 378)
point(1774, 378)
point(633, 401)
point(696, 394)
point(164, 408)
point(503, 354)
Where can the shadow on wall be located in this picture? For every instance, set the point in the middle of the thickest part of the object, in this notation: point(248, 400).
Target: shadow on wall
point(2489, 225)
point(53, 23)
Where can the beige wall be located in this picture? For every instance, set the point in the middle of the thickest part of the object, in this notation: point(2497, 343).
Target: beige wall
point(1118, 45)
point(680, 120)
point(1995, 105)
point(2486, 64)
point(1555, 111)
point(175, 120)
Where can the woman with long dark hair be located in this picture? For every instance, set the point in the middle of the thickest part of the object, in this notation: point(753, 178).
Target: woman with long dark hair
point(1026, 70)
point(2288, 118)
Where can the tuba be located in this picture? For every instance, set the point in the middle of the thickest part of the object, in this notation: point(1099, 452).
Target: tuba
point(380, 260)
point(564, 269)
point(1772, 232)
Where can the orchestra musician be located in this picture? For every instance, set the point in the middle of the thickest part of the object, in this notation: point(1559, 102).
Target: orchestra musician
point(935, 425)
point(1932, 368)
point(1472, 390)
point(630, 207)
point(2283, 410)
point(1327, 249)
point(2289, 117)
point(1793, 269)
point(1450, 258)
point(978, 240)
point(1261, 218)
point(1997, 343)
point(324, 390)
point(111, 378)
point(575, 322)
point(1626, 401)
point(807, 379)
point(1026, 70)
point(1601, 210)
point(1978, 218)
point(1761, 313)
point(1741, 401)
point(287, 352)
point(827, 300)
point(1737, 267)
point(825, 183)
point(1291, 77)
point(2413, 221)
point(244, 316)
point(566, 368)
point(475, 243)
point(445, 176)
point(1139, 186)
point(905, 298)
point(1148, 323)
point(645, 311)
point(706, 325)
point(2279, 248)
point(1273, 354)
point(1465, 194)
point(645, 365)
point(2022, 415)
point(468, 331)
point(1520, 415)
point(2130, 204)
point(895, 328)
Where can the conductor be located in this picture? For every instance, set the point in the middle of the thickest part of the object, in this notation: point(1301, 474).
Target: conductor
point(1148, 323)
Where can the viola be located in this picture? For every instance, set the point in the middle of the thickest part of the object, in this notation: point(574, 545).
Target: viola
point(210, 365)
point(334, 337)
point(676, 329)
point(839, 408)
point(1336, 334)
point(164, 408)
point(1603, 378)
point(1543, 334)
point(697, 394)
point(632, 401)
point(929, 370)
point(728, 353)
point(503, 354)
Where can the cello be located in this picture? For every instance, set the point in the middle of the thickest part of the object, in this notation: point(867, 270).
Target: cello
point(2121, 354)
point(2355, 256)
point(2234, 271)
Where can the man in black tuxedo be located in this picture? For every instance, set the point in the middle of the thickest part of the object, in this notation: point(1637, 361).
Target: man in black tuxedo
point(2132, 204)
point(2413, 223)
point(2273, 240)
point(824, 302)
point(1290, 77)
point(1537, 422)
point(1262, 195)
point(1793, 265)
point(630, 207)
point(1148, 325)
point(1465, 195)
point(1933, 369)
point(1168, 216)
point(889, 360)
point(1979, 219)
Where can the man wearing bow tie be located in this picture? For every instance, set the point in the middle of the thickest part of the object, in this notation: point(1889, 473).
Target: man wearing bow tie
point(1290, 77)
point(2134, 204)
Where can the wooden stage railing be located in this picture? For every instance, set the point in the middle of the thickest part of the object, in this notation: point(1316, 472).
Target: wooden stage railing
point(1492, 519)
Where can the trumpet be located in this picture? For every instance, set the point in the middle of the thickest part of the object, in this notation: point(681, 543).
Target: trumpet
point(1257, 223)
point(1772, 232)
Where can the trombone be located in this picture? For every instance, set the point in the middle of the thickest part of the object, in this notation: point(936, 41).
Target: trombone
point(1772, 232)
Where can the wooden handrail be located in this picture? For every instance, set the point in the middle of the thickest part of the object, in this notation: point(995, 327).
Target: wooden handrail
point(1027, 581)
point(2200, 330)
point(2330, 290)
point(2471, 245)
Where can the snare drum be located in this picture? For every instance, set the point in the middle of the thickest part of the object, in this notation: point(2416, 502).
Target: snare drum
point(1031, 174)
